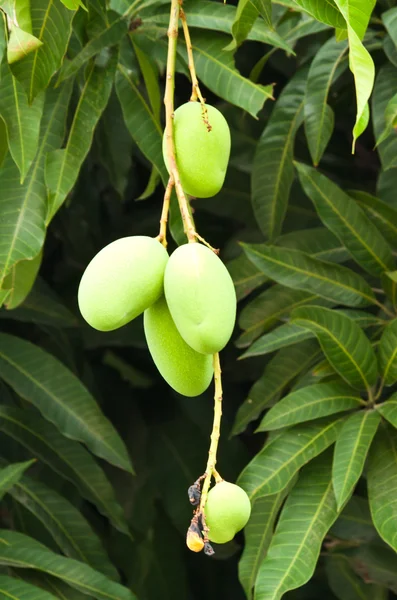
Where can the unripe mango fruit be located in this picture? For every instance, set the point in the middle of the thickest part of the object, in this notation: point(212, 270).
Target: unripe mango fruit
point(121, 281)
point(227, 511)
point(201, 297)
point(186, 371)
point(201, 151)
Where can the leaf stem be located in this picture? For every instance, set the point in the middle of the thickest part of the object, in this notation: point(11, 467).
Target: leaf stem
point(169, 122)
point(216, 428)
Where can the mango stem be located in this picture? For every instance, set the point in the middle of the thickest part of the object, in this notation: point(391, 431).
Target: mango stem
point(162, 236)
point(184, 208)
point(216, 428)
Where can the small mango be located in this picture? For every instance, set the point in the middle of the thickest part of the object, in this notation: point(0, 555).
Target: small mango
point(227, 511)
point(186, 371)
point(202, 149)
point(201, 297)
point(121, 281)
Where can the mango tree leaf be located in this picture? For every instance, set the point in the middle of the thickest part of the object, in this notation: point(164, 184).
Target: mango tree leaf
point(51, 24)
point(345, 584)
point(66, 457)
point(215, 68)
point(300, 271)
point(20, 44)
point(355, 523)
point(10, 587)
point(21, 118)
point(375, 562)
point(23, 16)
point(323, 10)
point(20, 280)
point(284, 335)
point(385, 89)
point(391, 120)
point(383, 215)
point(279, 372)
point(388, 353)
point(347, 221)
point(246, 277)
point(389, 284)
point(70, 530)
point(246, 15)
point(11, 474)
point(142, 124)
point(22, 235)
point(273, 170)
point(382, 485)
point(327, 65)
point(344, 344)
point(49, 584)
point(268, 308)
point(319, 242)
point(258, 534)
point(357, 14)
point(351, 449)
point(19, 550)
point(274, 466)
point(110, 36)
point(63, 166)
point(388, 410)
point(61, 397)
point(310, 403)
point(218, 17)
point(150, 75)
point(308, 513)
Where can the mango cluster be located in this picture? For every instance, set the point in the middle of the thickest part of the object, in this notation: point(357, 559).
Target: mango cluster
point(188, 301)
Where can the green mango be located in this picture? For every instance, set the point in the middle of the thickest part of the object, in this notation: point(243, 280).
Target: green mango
point(202, 151)
point(201, 297)
point(121, 281)
point(186, 371)
point(227, 511)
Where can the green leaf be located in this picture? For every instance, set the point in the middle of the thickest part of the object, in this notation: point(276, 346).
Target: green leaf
point(385, 89)
point(18, 550)
point(309, 403)
point(323, 10)
point(274, 466)
point(50, 584)
point(391, 122)
point(142, 124)
point(22, 236)
point(246, 277)
point(16, 589)
point(382, 485)
point(347, 221)
point(215, 68)
point(61, 397)
point(20, 44)
point(21, 118)
point(150, 74)
point(351, 449)
point(284, 335)
point(110, 36)
point(22, 13)
point(355, 523)
point(268, 308)
point(389, 284)
point(388, 353)
point(382, 215)
point(70, 530)
point(11, 474)
point(246, 15)
point(376, 562)
point(319, 242)
point(309, 512)
point(357, 15)
point(258, 534)
point(279, 372)
point(344, 344)
point(51, 24)
point(344, 583)
point(328, 64)
point(63, 166)
point(388, 410)
point(273, 170)
point(20, 280)
point(67, 458)
point(300, 271)
point(218, 17)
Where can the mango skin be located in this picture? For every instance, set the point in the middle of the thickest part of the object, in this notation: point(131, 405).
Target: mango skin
point(186, 371)
point(227, 511)
point(201, 297)
point(202, 156)
point(121, 281)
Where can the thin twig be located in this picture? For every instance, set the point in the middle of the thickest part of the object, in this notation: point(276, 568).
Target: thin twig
point(216, 427)
point(162, 237)
point(169, 123)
